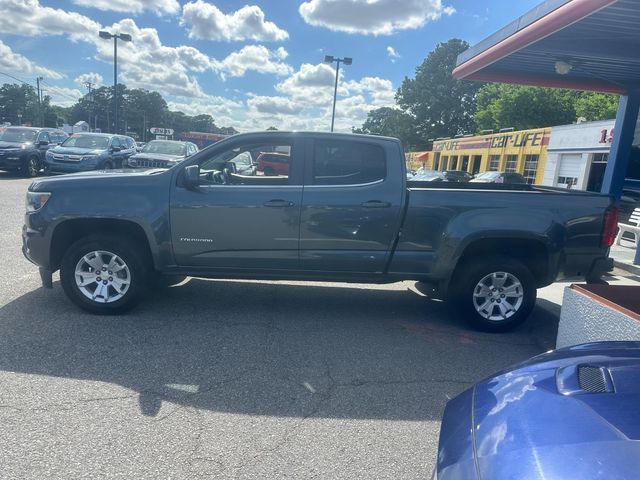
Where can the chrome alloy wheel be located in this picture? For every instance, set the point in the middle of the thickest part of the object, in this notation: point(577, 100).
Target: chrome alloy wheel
point(498, 296)
point(102, 276)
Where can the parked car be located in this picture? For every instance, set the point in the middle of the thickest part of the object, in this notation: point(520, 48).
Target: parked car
point(499, 177)
point(273, 163)
point(456, 176)
point(89, 151)
point(423, 175)
point(161, 154)
point(343, 212)
point(22, 149)
point(571, 413)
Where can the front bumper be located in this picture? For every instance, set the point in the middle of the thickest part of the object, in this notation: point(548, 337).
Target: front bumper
point(53, 166)
point(11, 161)
point(35, 244)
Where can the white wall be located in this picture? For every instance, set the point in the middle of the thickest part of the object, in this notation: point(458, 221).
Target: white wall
point(583, 320)
point(581, 138)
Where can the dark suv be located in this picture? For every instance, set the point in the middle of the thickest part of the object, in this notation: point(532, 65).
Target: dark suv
point(90, 151)
point(23, 148)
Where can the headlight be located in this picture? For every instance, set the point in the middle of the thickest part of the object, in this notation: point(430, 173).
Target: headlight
point(36, 200)
point(133, 162)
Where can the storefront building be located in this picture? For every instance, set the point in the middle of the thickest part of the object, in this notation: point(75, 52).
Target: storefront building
point(523, 151)
point(577, 155)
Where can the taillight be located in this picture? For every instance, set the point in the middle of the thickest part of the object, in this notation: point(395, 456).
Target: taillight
point(610, 227)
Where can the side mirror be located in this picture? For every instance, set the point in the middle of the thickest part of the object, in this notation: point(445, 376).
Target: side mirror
point(115, 149)
point(192, 176)
point(43, 143)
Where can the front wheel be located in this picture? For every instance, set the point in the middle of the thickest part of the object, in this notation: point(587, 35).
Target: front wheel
point(32, 167)
point(103, 274)
point(495, 294)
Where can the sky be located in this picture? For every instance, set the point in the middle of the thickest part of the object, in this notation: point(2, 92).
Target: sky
point(249, 64)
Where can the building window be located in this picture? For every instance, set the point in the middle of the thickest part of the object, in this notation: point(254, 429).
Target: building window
point(436, 161)
point(465, 163)
point(530, 168)
point(445, 161)
point(600, 157)
point(454, 162)
point(568, 181)
point(494, 163)
point(511, 163)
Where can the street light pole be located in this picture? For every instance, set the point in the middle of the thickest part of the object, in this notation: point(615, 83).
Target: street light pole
point(125, 38)
point(346, 61)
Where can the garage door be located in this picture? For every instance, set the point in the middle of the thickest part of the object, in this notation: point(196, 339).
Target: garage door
point(570, 169)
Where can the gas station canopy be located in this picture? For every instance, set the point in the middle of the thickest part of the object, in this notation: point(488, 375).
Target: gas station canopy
point(591, 45)
point(578, 44)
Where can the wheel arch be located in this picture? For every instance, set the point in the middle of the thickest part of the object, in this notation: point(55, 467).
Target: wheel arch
point(68, 231)
point(531, 252)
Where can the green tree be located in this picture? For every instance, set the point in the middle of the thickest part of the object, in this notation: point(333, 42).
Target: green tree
point(18, 104)
point(442, 106)
point(502, 106)
point(596, 106)
point(392, 122)
point(271, 129)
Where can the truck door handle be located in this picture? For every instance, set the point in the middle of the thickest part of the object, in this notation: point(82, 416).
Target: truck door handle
point(375, 204)
point(278, 203)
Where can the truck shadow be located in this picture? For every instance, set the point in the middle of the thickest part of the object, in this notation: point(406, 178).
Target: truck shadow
point(276, 349)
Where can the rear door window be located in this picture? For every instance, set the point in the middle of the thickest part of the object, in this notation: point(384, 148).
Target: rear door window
point(338, 162)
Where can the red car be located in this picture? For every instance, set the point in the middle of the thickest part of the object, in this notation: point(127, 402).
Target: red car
point(272, 163)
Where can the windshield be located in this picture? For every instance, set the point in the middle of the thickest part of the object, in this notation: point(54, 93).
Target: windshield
point(94, 142)
point(488, 175)
point(166, 148)
point(18, 135)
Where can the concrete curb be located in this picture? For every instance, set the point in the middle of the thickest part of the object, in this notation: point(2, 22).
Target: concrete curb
point(627, 267)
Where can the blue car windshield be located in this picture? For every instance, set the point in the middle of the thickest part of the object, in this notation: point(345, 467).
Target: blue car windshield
point(18, 135)
point(94, 142)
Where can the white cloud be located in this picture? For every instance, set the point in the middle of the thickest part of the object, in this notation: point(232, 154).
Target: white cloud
point(253, 58)
point(374, 17)
point(392, 54)
point(215, 106)
point(132, 6)
point(305, 101)
point(94, 78)
point(65, 97)
point(29, 18)
point(274, 105)
point(380, 90)
point(206, 21)
point(14, 62)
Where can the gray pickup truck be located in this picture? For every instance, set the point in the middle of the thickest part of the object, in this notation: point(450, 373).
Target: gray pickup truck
point(338, 208)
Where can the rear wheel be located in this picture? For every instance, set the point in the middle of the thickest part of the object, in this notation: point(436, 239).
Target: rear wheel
point(108, 165)
point(495, 294)
point(103, 274)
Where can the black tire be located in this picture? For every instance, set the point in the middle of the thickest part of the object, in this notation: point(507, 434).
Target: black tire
point(501, 312)
point(31, 167)
point(138, 273)
point(269, 172)
point(108, 165)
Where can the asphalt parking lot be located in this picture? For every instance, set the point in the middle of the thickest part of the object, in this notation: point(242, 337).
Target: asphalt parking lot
point(223, 379)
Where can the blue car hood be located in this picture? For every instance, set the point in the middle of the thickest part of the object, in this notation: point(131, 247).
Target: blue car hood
point(76, 151)
point(571, 413)
point(12, 144)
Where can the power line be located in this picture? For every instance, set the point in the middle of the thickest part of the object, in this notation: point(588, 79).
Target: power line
point(16, 78)
point(60, 92)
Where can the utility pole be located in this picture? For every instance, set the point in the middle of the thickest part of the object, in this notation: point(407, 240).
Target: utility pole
point(89, 85)
point(40, 120)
